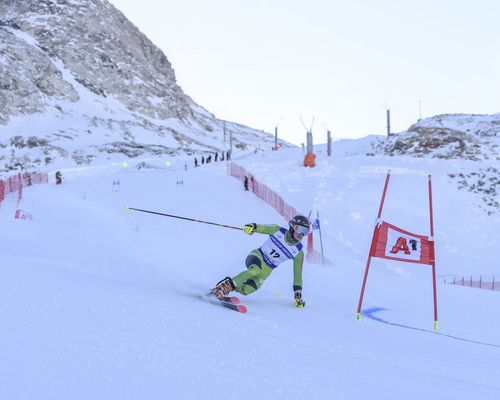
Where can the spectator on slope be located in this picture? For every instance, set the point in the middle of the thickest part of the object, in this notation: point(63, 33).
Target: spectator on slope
point(58, 178)
point(282, 245)
point(27, 179)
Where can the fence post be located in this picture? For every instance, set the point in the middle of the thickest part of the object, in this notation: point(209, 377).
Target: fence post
point(480, 281)
point(493, 286)
point(2, 190)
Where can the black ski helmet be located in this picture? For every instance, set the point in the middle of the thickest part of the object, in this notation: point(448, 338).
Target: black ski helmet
point(299, 220)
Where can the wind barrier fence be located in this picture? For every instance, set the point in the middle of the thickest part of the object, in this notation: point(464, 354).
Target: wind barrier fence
point(470, 282)
point(16, 183)
point(276, 201)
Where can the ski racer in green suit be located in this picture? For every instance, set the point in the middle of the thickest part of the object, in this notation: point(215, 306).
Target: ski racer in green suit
point(282, 245)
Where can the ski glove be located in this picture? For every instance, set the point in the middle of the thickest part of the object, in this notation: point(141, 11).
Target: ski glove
point(249, 229)
point(299, 301)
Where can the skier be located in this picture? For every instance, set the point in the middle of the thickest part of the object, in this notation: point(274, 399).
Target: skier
point(58, 178)
point(27, 179)
point(281, 245)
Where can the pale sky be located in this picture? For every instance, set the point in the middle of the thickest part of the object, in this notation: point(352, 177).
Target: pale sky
point(267, 63)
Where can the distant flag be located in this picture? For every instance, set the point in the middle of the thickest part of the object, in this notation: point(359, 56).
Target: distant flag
point(316, 225)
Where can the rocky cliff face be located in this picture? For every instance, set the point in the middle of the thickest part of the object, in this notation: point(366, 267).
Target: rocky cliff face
point(104, 52)
point(451, 136)
point(81, 81)
point(472, 142)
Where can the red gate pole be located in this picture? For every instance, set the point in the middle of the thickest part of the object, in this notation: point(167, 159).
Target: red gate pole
point(433, 259)
point(358, 313)
point(373, 244)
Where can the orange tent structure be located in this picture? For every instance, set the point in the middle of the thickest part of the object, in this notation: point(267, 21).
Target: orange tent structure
point(310, 160)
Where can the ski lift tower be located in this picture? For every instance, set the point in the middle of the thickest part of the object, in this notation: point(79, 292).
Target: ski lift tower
point(329, 143)
point(276, 144)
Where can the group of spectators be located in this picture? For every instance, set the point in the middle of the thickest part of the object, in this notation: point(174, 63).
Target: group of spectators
point(224, 156)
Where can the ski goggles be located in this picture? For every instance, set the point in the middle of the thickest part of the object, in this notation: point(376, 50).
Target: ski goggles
point(300, 229)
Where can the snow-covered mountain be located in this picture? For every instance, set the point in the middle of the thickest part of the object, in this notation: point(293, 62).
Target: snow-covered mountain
point(448, 136)
point(474, 139)
point(79, 81)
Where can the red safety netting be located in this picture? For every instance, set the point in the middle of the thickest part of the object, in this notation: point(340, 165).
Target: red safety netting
point(276, 201)
point(16, 183)
point(470, 282)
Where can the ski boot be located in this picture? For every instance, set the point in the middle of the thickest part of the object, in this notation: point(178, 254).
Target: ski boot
point(223, 288)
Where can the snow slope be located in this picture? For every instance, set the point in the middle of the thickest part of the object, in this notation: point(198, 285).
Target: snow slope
point(97, 302)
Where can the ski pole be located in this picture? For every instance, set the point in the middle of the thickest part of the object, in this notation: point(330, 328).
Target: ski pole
point(320, 240)
point(179, 217)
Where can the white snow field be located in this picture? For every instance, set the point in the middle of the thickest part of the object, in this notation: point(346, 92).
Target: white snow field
point(100, 303)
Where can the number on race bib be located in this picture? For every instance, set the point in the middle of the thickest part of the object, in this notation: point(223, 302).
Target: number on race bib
point(275, 254)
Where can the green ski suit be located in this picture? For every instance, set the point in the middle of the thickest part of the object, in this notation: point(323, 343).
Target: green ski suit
point(280, 247)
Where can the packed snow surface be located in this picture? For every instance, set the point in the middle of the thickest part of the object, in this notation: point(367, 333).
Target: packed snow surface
point(97, 302)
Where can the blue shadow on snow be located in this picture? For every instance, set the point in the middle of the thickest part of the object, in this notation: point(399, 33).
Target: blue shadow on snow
point(371, 311)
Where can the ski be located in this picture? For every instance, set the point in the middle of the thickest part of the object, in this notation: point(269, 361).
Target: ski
point(231, 299)
point(231, 302)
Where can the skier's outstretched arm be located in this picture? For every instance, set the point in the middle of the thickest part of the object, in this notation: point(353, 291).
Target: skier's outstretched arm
point(251, 228)
point(297, 279)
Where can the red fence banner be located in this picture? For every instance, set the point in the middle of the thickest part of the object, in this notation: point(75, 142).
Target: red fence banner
point(16, 183)
point(397, 244)
point(480, 284)
point(262, 191)
point(276, 201)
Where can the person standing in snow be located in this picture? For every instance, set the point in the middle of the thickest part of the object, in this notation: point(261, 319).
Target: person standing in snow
point(58, 178)
point(282, 245)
